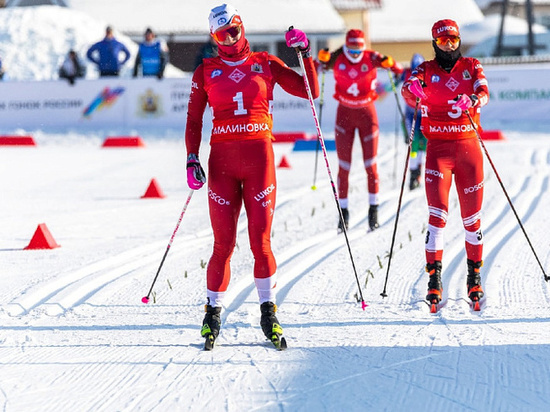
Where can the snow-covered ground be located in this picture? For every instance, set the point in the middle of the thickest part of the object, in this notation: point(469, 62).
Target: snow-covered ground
point(74, 335)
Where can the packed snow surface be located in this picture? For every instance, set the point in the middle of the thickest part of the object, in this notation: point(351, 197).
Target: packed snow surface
point(74, 334)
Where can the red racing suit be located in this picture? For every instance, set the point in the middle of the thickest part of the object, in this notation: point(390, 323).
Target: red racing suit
point(241, 166)
point(453, 149)
point(355, 91)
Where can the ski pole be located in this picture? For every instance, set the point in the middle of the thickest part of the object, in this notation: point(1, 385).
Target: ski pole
point(546, 277)
point(403, 123)
point(396, 147)
point(411, 134)
point(145, 299)
point(401, 113)
point(394, 89)
point(321, 141)
point(321, 103)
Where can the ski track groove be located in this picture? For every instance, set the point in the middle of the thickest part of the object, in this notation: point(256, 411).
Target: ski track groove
point(175, 382)
point(318, 248)
point(41, 293)
point(516, 284)
point(525, 203)
point(525, 199)
point(77, 287)
point(454, 268)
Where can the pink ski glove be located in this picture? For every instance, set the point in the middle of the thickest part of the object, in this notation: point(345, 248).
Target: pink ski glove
point(297, 38)
point(195, 173)
point(464, 102)
point(415, 87)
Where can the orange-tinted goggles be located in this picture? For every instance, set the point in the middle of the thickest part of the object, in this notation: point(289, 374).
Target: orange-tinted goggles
point(445, 39)
point(233, 29)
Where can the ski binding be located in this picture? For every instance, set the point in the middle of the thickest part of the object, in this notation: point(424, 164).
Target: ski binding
point(278, 341)
point(209, 342)
point(434, 306)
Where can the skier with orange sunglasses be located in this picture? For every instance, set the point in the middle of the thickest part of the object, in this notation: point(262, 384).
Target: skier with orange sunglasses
point(446, 88)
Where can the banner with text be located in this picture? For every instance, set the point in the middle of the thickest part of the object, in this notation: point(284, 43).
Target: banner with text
point(519, 93)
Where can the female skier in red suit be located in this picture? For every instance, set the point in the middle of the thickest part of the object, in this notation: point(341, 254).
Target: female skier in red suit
point(238, 85)
point(447, 87)
point(355, 90)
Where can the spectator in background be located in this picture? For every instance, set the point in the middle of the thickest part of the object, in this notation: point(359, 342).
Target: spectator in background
point(208, 49)
point(152, 56)
point(72, 67)
point(108, 51)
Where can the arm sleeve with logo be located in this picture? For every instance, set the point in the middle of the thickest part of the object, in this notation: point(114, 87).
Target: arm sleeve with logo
point(481, 88)
point(292, 82)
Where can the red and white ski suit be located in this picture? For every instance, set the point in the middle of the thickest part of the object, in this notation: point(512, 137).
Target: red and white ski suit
point(355, 91)
point(241, 166)
point(453, 149)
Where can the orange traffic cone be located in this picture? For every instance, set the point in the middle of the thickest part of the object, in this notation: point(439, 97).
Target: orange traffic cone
point(42, 239)
point(284, 163)
point(153, 191)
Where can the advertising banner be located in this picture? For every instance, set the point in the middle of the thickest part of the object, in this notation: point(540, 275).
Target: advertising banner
point(519, 93)
point(112, 102)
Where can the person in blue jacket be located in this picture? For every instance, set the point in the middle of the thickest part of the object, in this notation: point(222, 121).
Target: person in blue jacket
point(152, 56)
point(105, 54)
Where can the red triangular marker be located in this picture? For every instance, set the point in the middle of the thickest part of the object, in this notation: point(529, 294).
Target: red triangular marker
point(153, 191)
point(284, 163)
point(42, 239)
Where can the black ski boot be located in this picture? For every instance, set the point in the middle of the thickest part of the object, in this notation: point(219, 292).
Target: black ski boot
point(435, 287)
point(211, 325)
point(345, 215)
point(475, 291)
point(373, 217)
point(270, 325)
point(415, 179)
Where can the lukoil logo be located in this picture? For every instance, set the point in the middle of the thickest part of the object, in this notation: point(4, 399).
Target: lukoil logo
point(264, 192)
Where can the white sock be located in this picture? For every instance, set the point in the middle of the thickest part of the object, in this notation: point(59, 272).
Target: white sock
point(266, 288)
point(214, 299)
